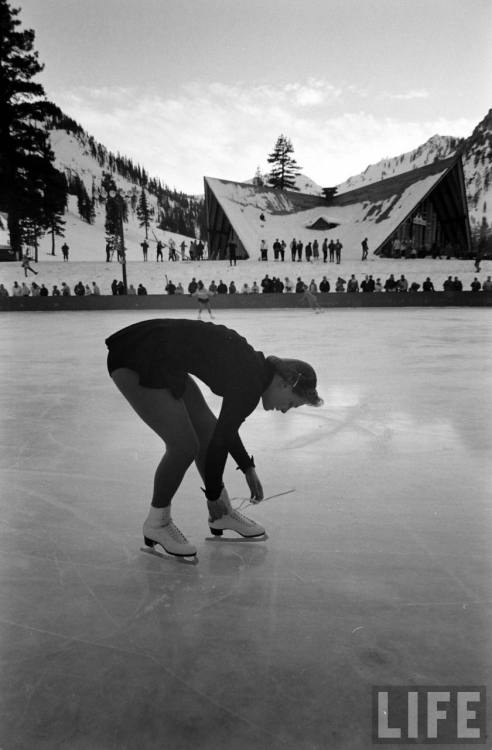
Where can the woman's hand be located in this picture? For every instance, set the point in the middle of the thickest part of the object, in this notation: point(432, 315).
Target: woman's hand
point(254, 485)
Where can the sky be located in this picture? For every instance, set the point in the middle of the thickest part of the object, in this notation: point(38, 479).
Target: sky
point(188, 88)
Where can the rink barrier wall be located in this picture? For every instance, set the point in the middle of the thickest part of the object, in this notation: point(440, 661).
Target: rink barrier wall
point(245, 301)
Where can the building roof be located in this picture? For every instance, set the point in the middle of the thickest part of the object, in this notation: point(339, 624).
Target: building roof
point(374, 211)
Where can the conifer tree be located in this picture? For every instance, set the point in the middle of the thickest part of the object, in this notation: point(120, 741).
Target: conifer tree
point(26, 160)
point(284, 166)
point(143, 213)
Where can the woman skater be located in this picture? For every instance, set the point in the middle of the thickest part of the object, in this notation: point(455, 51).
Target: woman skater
point(151, 363)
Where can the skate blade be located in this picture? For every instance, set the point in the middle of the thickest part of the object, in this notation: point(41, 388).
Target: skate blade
point(187, 559)
point(236, 539)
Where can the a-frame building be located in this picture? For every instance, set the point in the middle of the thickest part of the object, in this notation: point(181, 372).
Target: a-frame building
point(419, 212)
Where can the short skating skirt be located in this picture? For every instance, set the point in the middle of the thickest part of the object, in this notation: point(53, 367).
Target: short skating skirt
point(148, 356)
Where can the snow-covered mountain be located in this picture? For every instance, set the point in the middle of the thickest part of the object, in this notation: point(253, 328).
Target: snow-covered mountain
point(84, 162)
point(477, 166)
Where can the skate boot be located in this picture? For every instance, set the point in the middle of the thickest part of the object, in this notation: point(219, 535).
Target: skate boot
point(235, 521)
point(160, 529)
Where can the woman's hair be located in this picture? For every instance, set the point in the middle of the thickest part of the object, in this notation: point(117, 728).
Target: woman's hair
point(300, 376)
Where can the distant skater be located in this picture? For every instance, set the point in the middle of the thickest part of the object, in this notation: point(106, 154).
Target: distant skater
point(203, 297)
point(150, 363)
point(365, 249)
point(311, 299)
point(26, 265)
point(65, 251)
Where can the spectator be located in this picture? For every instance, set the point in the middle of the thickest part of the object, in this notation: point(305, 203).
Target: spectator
point(428, 286)
point(213, 288)
point(282, 250)
point(309, 252)
point(324, 249)
point(324, 285)
point(25, 290)
point(487, 285)
point(159, 256)
point(114, 286)
point(65, 290)
point(255, 289)
point(16, 290)
point(475, 285)
point(316, 250)
point(402, 284)
point(331, 248)
point(222, 288)
point(131, 290)
point(299, 251)
point(353, 284)
point(390, 285)
point(192, 286)
point(288, 285)
point(276, 249)
point(414, 287)
point(79, 289)
point(121, 288)
point(338, 250)
point(95, 289)
point(245, 289)
point(300, 286)
point(457, 284)
point(87, 289)
point(35, 289)
point(365, 248)
point(170, 287)
point(378, 286)
point(65, 250)
point(55, 291)
point(232, 288)
point(141, 290)
point(232, 253)
point(263, 250)
point(182, 247)
point(179, 288)
point(340, 285)
point(293, 249)
point(43, 292)
point(448, 285)
point(3, 291)
point(145, 249)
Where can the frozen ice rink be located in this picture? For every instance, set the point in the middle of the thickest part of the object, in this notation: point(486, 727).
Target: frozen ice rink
point(377, 569)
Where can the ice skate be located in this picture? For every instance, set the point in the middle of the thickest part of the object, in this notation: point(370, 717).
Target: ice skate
point(235, 521)
point(167, 534)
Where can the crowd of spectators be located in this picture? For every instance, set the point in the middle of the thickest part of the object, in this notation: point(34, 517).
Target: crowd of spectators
point(267, 285)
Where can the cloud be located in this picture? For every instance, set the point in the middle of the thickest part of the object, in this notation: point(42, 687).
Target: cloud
point(223, 130)
point(408, 95)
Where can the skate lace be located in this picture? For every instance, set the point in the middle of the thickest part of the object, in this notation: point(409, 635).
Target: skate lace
point(245, 502)
point(175, 533)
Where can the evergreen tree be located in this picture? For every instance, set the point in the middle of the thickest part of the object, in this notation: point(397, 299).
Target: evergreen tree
point(258, 180)
point(284, 166)
point(26, 160)
point(143, 213)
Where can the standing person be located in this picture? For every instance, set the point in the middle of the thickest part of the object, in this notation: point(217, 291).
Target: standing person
point(151, 362)
point(365, 248)
point(145, 249)
point(315, 250)
point(299, 251)
point(203, 297)
point(338, 251)
point(65, 250)
point(109, 252)
point(26, 265)
point(331, 248)
point(182, 247)
point(293, 249)
point(159, 256)
point(172, 250)
point(324, 249)
point(478, 260)
point(232, 252)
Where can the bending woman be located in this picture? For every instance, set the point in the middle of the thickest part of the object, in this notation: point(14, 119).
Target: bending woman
point(151, 363)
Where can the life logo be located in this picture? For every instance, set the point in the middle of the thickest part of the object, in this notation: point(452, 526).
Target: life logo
point(430, 715)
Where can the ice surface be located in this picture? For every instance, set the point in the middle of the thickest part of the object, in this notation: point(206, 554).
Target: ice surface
point(376, 570)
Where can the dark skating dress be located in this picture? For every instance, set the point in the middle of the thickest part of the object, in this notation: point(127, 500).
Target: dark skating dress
point(164, 351)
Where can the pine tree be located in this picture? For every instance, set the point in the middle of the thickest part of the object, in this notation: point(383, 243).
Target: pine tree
point(284, 167)
point(26, 160)
point(143, 213)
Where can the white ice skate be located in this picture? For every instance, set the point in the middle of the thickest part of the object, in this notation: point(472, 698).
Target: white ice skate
point(170, 538)
point(235, 521)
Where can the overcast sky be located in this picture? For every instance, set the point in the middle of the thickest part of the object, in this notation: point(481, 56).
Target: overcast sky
point(188, 88)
